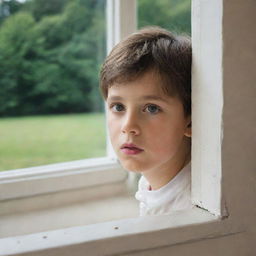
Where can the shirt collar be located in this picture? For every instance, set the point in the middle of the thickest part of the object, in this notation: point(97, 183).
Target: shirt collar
point(169, 192)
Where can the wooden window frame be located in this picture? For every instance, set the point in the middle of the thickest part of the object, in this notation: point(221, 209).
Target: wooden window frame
point(209, 217)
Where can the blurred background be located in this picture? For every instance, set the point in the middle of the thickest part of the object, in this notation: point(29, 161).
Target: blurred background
point(50, 56)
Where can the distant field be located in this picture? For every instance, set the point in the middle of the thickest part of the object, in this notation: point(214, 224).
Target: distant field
point(39, 140)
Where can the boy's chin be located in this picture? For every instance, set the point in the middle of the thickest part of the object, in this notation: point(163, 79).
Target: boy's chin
point(133, 167)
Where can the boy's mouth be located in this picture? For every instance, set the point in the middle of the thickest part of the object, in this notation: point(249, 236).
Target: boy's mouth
point(130, 149)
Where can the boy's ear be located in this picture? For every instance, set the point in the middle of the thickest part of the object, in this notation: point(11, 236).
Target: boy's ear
point(188, 131)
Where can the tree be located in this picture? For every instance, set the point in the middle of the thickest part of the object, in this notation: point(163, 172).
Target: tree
point(51, 65)
point(18, 47)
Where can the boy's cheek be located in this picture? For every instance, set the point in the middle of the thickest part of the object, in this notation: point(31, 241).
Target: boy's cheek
point(112, 127)
point(113, 132)
point(113, 123)
point(110, 123)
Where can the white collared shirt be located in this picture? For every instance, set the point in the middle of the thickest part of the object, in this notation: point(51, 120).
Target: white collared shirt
point(174, 196)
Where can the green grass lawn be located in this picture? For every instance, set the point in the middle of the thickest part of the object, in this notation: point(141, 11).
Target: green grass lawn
point(39, 140)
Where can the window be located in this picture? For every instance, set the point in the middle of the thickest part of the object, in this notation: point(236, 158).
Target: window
point(197, 231)
point(51, 109)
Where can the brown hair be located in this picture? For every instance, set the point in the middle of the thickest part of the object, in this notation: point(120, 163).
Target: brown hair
point(155, 49)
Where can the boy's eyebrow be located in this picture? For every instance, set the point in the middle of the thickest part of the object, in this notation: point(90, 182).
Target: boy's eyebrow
point(154, 97)
point(114, 98)
point(147, 97)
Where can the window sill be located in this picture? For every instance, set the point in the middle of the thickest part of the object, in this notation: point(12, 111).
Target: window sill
point(122, 236)
point(47, 179)
point(93, 207)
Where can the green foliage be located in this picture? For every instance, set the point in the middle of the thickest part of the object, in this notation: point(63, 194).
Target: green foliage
point(51, 65)
point(174, 15)
point(42, 8)
point(18, 47)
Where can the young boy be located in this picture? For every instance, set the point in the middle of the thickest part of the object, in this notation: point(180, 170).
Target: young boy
point(146, 82)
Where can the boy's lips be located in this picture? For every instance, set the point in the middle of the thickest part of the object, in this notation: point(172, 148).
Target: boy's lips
point(130, 149)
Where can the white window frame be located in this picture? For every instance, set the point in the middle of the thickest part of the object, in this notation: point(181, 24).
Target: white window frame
point(209, 217)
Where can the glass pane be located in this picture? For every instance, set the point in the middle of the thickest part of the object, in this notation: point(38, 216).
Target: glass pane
point(50, 54)
point(173, 15)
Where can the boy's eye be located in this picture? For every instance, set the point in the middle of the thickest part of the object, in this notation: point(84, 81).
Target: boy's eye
point(153, 109)
point(117, 107)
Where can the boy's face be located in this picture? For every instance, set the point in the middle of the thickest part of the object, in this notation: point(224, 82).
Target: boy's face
point(139, 113)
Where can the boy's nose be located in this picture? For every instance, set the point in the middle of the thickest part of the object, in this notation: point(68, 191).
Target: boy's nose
point(130, 125)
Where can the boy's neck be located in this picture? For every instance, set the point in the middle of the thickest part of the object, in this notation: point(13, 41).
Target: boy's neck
point(166, 172)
